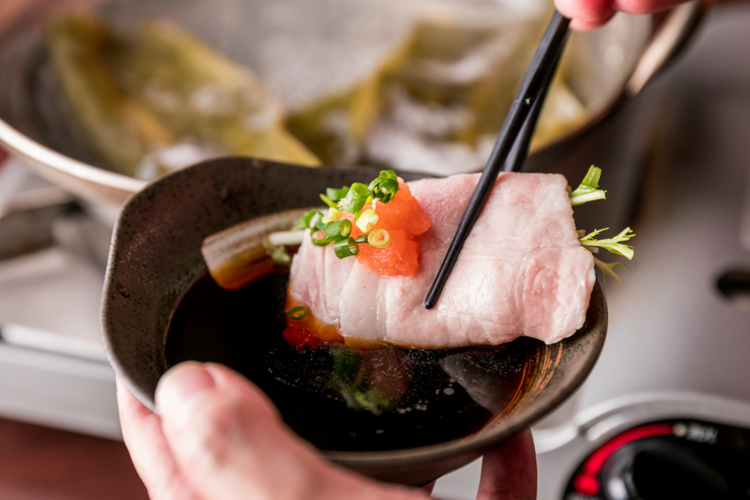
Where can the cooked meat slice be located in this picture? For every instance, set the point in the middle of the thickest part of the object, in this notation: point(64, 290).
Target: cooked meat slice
point(522, 271)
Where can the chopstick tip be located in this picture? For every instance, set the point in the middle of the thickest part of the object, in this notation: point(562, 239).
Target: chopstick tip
point(429, 302)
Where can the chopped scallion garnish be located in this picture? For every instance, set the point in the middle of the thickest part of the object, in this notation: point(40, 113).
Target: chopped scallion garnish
point(328, 201)
point(366, 220)
point(319, 238)
point(379, 238)
point(338, 230)
point(355, 199)
point(297, 312)
point(359, 201)
point(337, 194)
point(333, 215)
point(308, 220)
point(346, 248)
point(384, 186)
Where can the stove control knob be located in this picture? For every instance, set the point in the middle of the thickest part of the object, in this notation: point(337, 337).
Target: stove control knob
point(659, 467)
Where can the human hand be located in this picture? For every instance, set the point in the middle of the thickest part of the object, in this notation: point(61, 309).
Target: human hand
point(588, 14)
point(218, 437)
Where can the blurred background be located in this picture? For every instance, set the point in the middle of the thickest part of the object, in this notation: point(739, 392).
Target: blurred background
point(97, 98)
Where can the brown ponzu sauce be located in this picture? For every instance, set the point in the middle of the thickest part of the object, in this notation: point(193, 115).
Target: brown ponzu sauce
point(341, 399)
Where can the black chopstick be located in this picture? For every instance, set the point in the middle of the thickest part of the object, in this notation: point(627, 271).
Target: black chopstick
point(520, 150)
point(530, 95)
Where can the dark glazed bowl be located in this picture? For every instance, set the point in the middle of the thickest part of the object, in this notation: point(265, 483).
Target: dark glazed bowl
point(156, 254)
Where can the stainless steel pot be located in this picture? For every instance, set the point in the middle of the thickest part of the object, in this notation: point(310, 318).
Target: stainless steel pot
point(614, 62)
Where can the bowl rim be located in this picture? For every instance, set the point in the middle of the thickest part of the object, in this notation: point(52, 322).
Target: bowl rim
point(48, 159)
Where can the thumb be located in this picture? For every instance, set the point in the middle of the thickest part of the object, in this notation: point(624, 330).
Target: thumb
point(509, 470)
point(230, 443)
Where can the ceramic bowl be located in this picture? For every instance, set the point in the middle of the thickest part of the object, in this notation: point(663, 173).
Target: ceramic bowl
point(156, 255)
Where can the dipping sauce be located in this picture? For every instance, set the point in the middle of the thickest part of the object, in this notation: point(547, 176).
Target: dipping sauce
point(346, 399)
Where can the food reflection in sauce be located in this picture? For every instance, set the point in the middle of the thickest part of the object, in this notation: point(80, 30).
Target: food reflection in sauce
point(342, 398)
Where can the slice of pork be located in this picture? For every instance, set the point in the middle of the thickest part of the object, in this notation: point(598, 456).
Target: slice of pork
point(522, 271)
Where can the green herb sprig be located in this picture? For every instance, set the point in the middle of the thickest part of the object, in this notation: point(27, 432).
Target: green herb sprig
point(587, 191)
point(614, 245)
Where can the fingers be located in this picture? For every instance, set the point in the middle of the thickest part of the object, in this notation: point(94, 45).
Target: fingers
point(225, 436)
point(645, 6)
point(509, 470)
point(230, 443)
point(427, 488)
point(586, 14)
point(141, 431)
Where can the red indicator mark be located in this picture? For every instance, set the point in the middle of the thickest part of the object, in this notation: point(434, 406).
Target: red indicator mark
point(586, 483)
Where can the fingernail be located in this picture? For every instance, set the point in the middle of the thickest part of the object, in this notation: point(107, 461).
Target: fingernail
point(180, 390)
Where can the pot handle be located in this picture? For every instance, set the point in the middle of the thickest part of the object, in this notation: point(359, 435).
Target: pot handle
point(667, 43)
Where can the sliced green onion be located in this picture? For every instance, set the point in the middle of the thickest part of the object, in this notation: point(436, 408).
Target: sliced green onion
point(346, 248)
point(385, 186)
point(355, 199)
point(319, 238)
point(337, 194)
point(320, 223)
point(366, 220)
point(328, 201)
point(338, 230)
point(333, 214)
point(379, 238)
point(308, 220)
point(359, 190)
point(332, 228)
point(297, 312)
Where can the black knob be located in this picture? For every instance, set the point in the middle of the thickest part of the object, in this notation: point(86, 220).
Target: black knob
point(659, 467)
